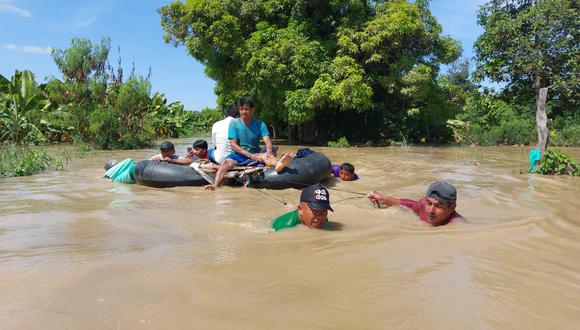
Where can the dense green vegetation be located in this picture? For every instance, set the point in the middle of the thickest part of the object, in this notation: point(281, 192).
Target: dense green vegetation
point(359, 69)
point(92, 104)
point(370, 70)
point(334, 72)
point(527, 45)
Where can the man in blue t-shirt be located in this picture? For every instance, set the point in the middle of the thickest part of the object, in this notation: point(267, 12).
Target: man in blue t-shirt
point(244, 134)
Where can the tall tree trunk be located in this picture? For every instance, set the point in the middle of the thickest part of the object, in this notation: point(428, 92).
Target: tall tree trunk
point(542, 120)
point(291, 135)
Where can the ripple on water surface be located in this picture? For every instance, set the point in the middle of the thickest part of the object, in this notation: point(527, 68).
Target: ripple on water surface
point(76, 249)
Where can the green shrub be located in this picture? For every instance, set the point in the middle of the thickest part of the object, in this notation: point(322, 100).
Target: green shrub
point(340, 143)
point(567, 136)
point(565, 131)
point(556, 161)
point(489, 120)
point(23, 161)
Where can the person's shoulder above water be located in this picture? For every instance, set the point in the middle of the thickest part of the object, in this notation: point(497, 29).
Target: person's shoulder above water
point(286, 220)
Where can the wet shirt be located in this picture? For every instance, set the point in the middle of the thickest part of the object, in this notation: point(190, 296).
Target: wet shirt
point(419, 208)
point(248, 136)
point(286, 220)
point(335, 170)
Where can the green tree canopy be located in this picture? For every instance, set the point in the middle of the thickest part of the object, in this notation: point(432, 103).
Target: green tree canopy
point(319, 61)
point(531, 44)
point(104, 110)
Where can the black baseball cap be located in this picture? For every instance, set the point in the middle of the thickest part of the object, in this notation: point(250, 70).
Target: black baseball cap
point(166, 145)
point(443, 192)
point(317, 197)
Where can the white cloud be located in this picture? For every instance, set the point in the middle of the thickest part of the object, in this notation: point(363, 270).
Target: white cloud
point(6, 7)
point(84, 23)
point(29, 49)
point(36, 49)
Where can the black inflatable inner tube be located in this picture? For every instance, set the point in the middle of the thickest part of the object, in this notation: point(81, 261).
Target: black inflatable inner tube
point(299, 173)
point(163, 175)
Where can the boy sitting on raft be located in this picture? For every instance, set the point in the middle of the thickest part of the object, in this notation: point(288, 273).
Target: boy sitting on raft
point(311, 212)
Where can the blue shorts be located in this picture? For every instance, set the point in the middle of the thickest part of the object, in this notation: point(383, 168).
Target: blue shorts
point(210, 155)
point(242, 160)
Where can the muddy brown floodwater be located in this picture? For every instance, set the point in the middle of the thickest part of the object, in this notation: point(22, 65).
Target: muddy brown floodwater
point(81, 252)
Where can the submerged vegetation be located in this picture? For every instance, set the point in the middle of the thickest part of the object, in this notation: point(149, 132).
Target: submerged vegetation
point(557, 162)
point(340, 143)
point(26, 160)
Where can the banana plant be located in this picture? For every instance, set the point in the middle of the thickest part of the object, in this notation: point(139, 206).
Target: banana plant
point(21, 106)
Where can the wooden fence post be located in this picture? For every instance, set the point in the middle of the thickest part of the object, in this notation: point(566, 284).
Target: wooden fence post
point(542, 121)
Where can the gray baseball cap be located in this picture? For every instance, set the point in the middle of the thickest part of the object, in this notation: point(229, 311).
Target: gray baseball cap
point(443, 192)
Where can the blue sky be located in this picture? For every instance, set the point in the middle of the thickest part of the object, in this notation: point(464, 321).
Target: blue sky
point(30, 28)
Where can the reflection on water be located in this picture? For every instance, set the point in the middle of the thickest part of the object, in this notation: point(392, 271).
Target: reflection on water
point(76, 249)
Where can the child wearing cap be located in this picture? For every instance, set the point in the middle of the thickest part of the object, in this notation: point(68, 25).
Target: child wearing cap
point(167, 150)
point(312, 210)
point(437, 208)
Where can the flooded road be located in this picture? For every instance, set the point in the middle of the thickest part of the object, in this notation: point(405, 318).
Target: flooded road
point(78, 251)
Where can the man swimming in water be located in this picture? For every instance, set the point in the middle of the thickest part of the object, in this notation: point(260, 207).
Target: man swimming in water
point(437, 208)
point(312, 210)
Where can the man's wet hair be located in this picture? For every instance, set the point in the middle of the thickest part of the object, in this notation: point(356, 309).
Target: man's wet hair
point(246, 101)
point(347, 167)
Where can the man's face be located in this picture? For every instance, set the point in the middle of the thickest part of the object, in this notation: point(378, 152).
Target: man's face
point(311, 217)
point(345, 175)
point(167, 153)
point(246, 112)
point(200, 152)
point(438, 213)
